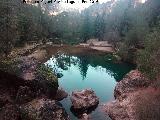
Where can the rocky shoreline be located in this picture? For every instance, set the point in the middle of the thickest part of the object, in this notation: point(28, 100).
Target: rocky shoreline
point(30, 94)
point(29, 90)
point(132, 99)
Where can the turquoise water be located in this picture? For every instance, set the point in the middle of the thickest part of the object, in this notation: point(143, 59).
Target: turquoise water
point(98, 72)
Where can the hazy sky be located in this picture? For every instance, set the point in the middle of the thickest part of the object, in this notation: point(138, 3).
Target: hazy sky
point(79, 5)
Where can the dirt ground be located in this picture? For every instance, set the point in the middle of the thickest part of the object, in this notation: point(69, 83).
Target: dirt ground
point(102, 46)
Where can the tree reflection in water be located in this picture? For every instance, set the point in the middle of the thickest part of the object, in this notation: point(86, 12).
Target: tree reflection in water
point(63, 61)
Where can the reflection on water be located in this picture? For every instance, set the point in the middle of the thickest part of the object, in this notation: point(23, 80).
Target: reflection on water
point(61, 62)
point(98, 72)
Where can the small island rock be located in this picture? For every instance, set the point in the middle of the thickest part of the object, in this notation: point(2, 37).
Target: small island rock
point(84, 99)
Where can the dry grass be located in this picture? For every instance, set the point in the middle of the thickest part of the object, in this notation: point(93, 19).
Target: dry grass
point(147, 104)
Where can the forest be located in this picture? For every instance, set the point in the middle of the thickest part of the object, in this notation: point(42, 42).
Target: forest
point(131, 27)
point(128, 25)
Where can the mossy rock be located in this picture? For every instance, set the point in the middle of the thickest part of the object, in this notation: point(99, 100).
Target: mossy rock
point(43, 81)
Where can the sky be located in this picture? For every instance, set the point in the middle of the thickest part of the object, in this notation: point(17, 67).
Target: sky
point(79, 5)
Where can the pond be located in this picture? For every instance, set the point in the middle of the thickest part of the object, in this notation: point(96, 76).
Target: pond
point(79, 72)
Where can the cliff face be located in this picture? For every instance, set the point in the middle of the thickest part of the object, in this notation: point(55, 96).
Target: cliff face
point(135, 99)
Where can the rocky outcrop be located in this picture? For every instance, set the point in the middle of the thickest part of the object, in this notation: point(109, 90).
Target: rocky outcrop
point(38, 77)
point(28, 89)
point(43, 109)
point(29, 72)
point(115, 110)
point(130, 83)
point(84, 99)
point(127, 92)
point(21, 87)
point(18, 102)
point(61, 94)
point(28, 67)
point(142, 104)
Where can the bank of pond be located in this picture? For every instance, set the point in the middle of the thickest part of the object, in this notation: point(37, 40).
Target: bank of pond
point(100, 72)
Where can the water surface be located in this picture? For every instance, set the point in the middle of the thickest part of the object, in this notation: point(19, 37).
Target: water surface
point(98, 72)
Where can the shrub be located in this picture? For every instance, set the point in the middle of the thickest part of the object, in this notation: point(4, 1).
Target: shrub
point(148, 59)
point(126, 53)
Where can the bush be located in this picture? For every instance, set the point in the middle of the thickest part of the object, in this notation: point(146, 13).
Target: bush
point(126, 53)
point(46, 72)
point(148, 59)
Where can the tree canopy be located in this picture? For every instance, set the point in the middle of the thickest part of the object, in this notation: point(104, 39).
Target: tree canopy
point(129, 25)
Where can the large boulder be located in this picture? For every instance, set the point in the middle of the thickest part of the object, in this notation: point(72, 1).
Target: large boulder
point(43, 109)
point(129, 97)
point(84, 99)
point(38, 77)
point(130, 83)
point(28, 71)
point(61, 94)
point(142, 104)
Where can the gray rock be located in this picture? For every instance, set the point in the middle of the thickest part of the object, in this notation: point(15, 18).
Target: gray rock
point(130, 83)
point(126, 92)
point(61, 94)
point(116, 111)
point(37, 78)
point(84, 99)
point(43, 109)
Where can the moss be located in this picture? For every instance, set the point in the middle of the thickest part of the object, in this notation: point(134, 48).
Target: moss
point(10, 65)
point(46, 72)
point(49, 81)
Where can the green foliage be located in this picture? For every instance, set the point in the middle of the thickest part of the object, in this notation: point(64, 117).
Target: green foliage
point(127, 54)
point(21, 23)
point(99, 26)
point(46, 72)
point(10, 66)
point(8, 25)
point(126, 24)
point(149, 57)
point(86, 31)
point(139, 27)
